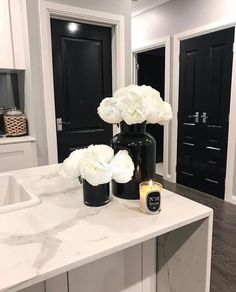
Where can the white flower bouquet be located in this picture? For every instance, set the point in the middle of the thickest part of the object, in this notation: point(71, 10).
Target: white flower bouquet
point(97, 164)
point(135, 104)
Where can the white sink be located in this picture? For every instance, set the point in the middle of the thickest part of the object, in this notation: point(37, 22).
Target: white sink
point(14, 196)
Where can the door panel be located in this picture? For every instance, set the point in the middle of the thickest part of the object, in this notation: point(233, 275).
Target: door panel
point(80, 68)
point(204, 98)
point(82, 78)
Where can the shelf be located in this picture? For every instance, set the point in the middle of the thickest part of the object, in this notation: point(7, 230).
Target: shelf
point(16, 140)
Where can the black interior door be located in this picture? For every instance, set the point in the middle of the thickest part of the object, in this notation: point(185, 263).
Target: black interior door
point(82, 77)
point(204, 99)
point(151, 71)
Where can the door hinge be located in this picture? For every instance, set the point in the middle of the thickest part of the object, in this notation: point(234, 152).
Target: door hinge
point(137, 66)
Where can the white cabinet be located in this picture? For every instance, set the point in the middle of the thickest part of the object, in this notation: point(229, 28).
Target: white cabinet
point(17, 153)
point(6, 48)
point(119, 272)
point(17, 8)
point(55, 284)
point(11, 35)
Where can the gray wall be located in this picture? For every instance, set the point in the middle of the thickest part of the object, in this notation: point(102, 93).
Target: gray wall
point(34, 90)
point(177, 16)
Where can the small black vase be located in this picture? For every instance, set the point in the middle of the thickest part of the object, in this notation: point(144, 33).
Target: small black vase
point(95, 196)
point(142, 149)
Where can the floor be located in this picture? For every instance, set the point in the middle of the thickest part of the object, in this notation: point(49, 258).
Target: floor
point(159, 168)
point(223, 273)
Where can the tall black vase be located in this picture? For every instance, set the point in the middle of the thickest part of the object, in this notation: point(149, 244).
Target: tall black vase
point(142, 149)
point(95, 196)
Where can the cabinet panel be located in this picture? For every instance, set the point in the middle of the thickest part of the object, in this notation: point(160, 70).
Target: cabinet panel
point(40, 287)
point(17, 156)
point(6, 50)
point(121, 271)
point(57, 284)
point(149, 265)
point(17, 9)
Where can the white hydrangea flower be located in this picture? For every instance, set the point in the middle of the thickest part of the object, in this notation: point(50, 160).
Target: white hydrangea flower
point(98, 165)
point(135, 104)
point(108, 110)
point(122, 167)
point(124, 91)
point(104, 152)
point(71, 165)
point(132, 109)
point(166, 113)
point(94, 170)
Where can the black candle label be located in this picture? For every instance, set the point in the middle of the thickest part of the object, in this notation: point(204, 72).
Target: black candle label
point(153, 201)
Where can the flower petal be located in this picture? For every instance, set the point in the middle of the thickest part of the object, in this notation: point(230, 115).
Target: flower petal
point(108, 111)
point(95, 171)
point(122, 167)
point(103, 152)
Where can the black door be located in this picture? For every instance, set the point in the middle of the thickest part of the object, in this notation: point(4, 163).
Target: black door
point(204, 99)
point(151, 71)
point(82, 77)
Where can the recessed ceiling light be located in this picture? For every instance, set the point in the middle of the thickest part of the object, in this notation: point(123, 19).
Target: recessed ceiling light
point(73, 27)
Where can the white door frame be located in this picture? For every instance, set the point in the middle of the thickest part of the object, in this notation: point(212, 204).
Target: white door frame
point(49, 10)
point(155, 44)
point(230, 185)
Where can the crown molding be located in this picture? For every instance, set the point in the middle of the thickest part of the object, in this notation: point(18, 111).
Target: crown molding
point(148, 7)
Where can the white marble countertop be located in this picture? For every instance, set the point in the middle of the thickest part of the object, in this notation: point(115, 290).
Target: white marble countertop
point(61, 233)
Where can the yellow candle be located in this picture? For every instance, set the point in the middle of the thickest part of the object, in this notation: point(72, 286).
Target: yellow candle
point(149, 192)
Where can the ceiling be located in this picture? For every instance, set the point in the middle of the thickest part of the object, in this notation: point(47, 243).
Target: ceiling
point(141, 6)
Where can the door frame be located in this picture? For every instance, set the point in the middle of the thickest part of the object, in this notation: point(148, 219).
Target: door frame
point(155, 44)
point(48, 10)
point(230, 185)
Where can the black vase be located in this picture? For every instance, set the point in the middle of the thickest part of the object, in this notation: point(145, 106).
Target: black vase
point(142, 149)
point(95, 196)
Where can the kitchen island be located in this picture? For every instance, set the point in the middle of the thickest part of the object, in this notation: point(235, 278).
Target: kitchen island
point(61, 245)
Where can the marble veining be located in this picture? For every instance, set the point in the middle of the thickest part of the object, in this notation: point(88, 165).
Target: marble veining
point(62, 233)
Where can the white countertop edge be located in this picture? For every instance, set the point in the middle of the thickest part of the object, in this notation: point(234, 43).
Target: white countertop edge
point(16, 140)
point(102, 254)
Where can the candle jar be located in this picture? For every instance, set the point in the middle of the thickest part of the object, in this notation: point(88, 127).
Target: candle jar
point(150, 196)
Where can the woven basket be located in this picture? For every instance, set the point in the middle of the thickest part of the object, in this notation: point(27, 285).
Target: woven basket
point(15, 125)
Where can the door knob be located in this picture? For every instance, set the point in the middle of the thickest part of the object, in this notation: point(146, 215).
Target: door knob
point(196, 117)
point(204, 118)
point(60, 123)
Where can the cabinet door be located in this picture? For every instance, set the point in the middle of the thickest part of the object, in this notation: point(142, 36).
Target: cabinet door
point(17, 156)
point(57, 284)
point(18, 12)
point(39, 287)
point(6, 51)
point(121, 271)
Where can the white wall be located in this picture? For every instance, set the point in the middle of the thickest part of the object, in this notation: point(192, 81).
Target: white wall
point(177, 16)
point(34, 81)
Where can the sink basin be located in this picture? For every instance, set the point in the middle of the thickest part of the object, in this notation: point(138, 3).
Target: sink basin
point(14, 196)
